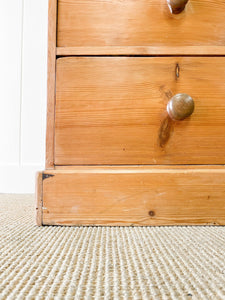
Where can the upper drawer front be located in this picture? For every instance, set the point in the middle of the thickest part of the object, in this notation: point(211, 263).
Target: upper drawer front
point(112, 110)
point(139, 23)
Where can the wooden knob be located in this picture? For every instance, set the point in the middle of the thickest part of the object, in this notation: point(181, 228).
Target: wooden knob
point(177, 6)
point(180, 106)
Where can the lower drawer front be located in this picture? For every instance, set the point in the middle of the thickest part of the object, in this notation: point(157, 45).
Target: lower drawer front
point(112, 110)
point(134, 196)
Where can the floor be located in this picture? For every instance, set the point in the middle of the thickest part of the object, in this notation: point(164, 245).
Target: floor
point(106, 262)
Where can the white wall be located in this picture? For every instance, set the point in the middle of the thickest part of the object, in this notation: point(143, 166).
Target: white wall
point(23, 93)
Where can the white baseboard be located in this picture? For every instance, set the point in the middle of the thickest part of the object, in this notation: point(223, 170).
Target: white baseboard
point(18, 179)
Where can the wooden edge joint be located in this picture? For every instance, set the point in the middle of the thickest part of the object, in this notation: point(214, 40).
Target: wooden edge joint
point(44, 176)
point(39, 198)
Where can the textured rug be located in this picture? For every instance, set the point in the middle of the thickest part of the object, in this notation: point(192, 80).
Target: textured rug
point(106, 262)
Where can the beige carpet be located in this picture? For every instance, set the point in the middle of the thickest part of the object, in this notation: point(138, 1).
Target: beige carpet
point(106, 263)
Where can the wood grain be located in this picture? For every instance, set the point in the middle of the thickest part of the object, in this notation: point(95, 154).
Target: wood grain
point(135, 196)
point(134, 168)
point(38, 195)
point(142, 50)
point(111, 110)
point(139, 23)
point(52, 12)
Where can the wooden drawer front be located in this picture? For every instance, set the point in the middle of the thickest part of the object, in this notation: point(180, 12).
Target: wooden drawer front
point(112, 110)
point(139, 22)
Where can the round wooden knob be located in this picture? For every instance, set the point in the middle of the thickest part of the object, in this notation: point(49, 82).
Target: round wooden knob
point(177, 6)
point(180, 106)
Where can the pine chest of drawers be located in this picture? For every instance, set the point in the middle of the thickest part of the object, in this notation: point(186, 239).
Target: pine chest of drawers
point(136, 113)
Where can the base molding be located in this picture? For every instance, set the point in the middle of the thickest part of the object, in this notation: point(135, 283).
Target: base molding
point(132, 195)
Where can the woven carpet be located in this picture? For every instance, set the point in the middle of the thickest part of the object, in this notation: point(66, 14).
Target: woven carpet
point(106, 262)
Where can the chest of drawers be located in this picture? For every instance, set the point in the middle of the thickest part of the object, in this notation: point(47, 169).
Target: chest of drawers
point(136, 113)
